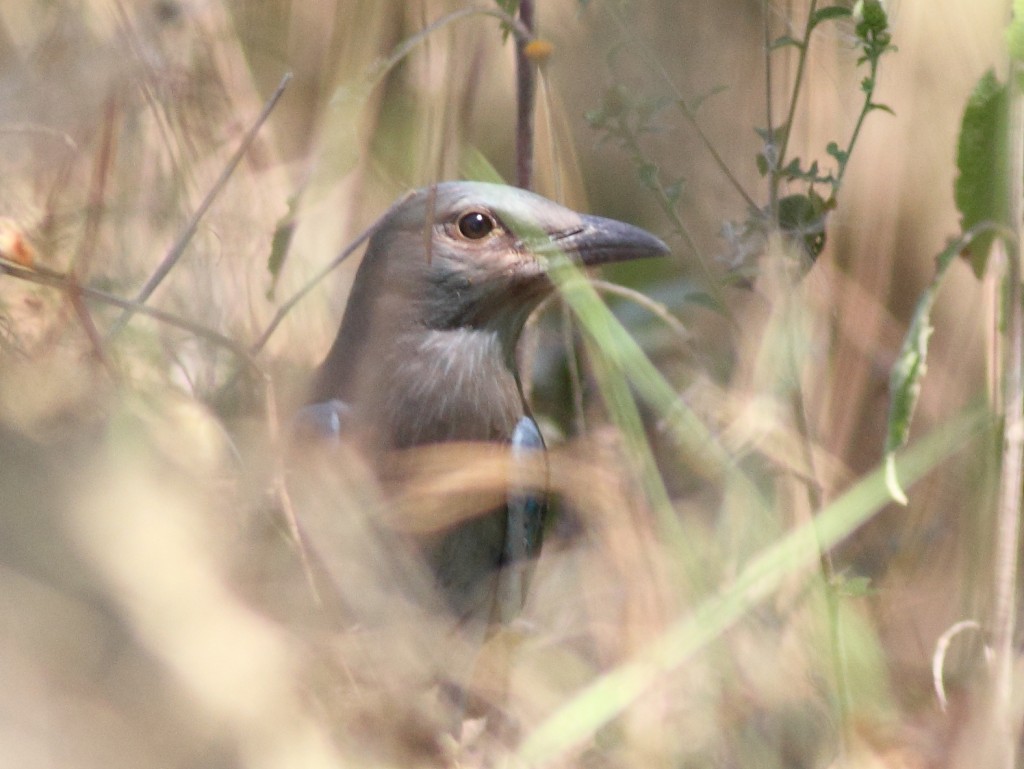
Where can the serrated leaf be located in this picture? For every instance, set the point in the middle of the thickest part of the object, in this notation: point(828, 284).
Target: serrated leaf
point(674, 190)
point(775, 136)
point(785, 40)
point(981, 187)
point(841, 156)
point(826, 13)
point(281, 243)
point(511, 7)
point(697, 102)
point(792, 168)
point(648, 173)
point(911, 363)
point(1015, 32)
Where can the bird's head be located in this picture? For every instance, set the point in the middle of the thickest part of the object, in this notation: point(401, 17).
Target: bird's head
point(471, 254)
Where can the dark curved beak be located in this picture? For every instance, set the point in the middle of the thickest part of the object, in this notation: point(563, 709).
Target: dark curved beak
point(600, 241)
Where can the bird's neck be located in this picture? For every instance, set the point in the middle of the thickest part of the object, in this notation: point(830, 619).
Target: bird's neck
point(446, 385)
point(414, 374)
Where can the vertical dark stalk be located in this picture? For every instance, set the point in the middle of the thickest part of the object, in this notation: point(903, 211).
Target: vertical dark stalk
point(773, 189)
point(801, 66)
point(526, 91)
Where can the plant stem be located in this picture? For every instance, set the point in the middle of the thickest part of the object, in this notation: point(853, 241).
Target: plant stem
point(768, 100)
point(43, 277)
point(669, 209)
point(178, 249)
point(1009, 501)
point(643, 50)
point(868, 104)
point(801, 66)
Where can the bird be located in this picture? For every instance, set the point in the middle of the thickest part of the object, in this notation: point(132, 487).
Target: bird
point(426, 354)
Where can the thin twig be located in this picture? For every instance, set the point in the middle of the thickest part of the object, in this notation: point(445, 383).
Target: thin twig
point(74, 297)
point(33, 129)
point(400, 51)
point(90, 236)
point(575, 375)
point(185, 238)
point(656, 309)
point(801, 66)
point(644, 51)
point(44, 277)
point(816, 502)
point(295, 298)
point(281, 489)
point(669, 208)
point(773, 190)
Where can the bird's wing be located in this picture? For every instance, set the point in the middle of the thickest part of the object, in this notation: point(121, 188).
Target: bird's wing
point(328, 419)
point(527, 508)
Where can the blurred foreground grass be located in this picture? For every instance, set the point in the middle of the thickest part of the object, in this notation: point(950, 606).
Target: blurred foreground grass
point(158, 607)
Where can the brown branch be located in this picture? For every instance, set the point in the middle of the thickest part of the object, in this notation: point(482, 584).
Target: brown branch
point(526, 92)
point(287, 307)
point(43, 277)
point(174, 255)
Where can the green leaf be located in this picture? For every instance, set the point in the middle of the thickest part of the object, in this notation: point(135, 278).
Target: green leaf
point(912, 362)
point(981, 188)
point(793, 169)
point(841, 156)
point(855, 587)
point(826, 13)
point(648, 173)
point(697, 102)
point(578, 719)
point(1015, 32)
point(511, 7)
point(872, 22)
point(762, 164)
point(802, 217)
point(474, 165)
point(785, 40)
point(774, 136)
point(674, 190)
point(281, 243)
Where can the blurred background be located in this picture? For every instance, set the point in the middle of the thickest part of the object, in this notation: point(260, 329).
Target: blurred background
point(156, 611)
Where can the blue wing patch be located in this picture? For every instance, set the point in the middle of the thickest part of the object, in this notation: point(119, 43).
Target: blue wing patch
point(326, 420)
point(526, 509)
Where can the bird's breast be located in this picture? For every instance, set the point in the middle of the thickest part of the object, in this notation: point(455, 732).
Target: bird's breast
point(447, 385)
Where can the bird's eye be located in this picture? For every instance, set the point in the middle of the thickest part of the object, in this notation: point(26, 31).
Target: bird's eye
point(475, 225)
